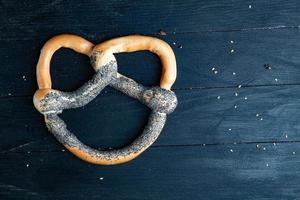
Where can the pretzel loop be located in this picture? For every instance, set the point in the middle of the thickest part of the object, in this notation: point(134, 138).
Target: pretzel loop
point(161, 100)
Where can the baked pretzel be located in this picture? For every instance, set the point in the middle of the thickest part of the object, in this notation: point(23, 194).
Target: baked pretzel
point(161, 100)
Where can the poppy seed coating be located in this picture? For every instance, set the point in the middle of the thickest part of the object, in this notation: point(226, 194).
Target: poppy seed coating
point(160, 101)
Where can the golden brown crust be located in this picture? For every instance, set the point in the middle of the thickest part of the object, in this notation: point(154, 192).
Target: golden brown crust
point(122, 44)
point(138, 43)
point(106, 49)
point(38, 96)
point(74, 42)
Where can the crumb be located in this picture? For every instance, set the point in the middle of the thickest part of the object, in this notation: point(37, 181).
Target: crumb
point(180, 46)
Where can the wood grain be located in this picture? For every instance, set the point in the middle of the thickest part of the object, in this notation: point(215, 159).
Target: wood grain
point(210, 172)
point(208, 150)
point(200, 118)
point(252, 51)
point(22, 20)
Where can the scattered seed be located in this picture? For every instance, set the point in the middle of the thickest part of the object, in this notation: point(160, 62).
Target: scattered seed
point(264, 148)
point(274, 144)
point(236, 94)
point(180, 46)
point(268, 66)
point(276, 79)
point(235, 107)
point(257, 115)
point(231, 41)
point(218, 97)
point(233, 73)
point(286, 136)
point(101, 178)
point(239, 86)
point(246, 98)
point(232, 50)
point(174, 43)
point(294, 152)
point(261, 119)
point(231, 150)
point(267, 165)
point(63, 150)
point(257, 146)
point(162, 32)
point(27, 165)
point(250, 6)
point(9, 94)
point(215, 72)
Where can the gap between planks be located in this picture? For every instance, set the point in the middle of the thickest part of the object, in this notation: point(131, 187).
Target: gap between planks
point(12, 151)
point(180, 89)
point(185, 32)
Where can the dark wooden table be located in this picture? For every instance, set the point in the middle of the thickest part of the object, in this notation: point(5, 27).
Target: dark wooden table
point(234, 135)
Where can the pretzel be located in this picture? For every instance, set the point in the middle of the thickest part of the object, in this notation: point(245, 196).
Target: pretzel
point(161, 100)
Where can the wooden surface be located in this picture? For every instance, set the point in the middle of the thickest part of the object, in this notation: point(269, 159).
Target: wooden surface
point(216, 145)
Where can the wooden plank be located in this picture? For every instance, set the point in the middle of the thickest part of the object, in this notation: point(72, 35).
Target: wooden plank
point(196, 172)
point(113, 119)
point(201, 52)
point(23, 21)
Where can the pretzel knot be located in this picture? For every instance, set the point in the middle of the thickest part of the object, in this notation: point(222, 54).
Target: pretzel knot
point(161, 100)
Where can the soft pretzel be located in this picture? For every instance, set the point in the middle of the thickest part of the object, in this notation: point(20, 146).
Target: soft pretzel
point(51, 102)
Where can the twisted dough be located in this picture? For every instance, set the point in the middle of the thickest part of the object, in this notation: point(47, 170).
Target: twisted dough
point(103, 56)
